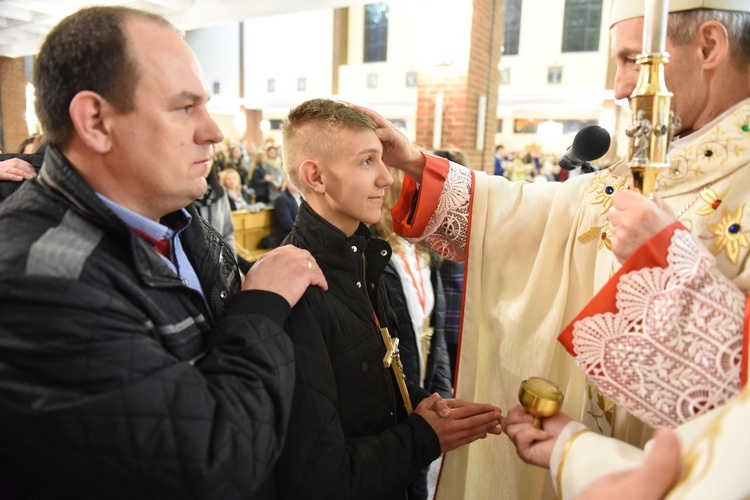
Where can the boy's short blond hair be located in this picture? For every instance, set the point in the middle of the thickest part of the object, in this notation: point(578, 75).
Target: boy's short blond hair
point(310, 132)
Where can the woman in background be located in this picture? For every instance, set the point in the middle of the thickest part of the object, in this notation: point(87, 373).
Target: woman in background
point(274, 172)
point(238, 160)
point(260, 178)
point(239, 198)
point(27, 146)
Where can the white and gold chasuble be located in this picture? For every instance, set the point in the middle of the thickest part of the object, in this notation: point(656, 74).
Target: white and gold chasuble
point(537, 254)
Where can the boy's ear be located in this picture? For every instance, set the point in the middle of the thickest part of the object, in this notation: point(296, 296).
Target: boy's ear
point(90, 115)
point(311, 176)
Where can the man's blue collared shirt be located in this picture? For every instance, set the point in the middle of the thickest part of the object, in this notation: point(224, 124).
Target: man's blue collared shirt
point(179, 264)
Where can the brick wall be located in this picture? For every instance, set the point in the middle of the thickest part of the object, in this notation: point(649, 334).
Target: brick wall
point(462, 83)
point(13, 103)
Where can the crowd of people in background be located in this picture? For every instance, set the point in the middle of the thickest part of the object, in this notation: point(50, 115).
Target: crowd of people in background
point(255, 180)
point(259, 173)
point(531, 165)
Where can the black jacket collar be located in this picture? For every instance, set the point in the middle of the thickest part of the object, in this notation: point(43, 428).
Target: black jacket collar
point(333, 249)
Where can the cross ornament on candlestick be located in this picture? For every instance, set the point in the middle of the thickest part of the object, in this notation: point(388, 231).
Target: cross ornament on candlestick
point(654, 122)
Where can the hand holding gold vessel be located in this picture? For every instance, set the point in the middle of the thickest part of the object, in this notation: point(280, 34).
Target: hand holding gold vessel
point(541, 398)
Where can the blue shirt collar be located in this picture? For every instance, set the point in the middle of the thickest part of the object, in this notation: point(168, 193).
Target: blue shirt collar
point(177, 221)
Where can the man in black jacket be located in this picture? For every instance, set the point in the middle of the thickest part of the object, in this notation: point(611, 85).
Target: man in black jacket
point(134, 361)
point(352, 433)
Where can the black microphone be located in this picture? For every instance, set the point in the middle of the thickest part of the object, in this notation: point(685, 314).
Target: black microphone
point(590, 143)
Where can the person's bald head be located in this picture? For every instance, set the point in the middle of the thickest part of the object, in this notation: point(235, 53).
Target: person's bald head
point(87, 50)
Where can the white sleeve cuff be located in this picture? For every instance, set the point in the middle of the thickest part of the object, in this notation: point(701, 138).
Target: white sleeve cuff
point(554, 460)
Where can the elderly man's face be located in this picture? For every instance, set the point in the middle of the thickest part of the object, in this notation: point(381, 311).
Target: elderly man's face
point(161, 150)
point(682, 74)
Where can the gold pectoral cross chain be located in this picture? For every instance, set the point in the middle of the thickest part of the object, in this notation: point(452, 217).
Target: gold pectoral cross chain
point(392, 359)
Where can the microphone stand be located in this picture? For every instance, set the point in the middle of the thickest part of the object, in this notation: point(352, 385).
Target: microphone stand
point(654, 122)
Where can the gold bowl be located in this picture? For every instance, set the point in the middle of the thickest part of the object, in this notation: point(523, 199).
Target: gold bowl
point(541, 398)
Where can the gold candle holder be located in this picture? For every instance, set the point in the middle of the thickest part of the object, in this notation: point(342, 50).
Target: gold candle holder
point(541, 398)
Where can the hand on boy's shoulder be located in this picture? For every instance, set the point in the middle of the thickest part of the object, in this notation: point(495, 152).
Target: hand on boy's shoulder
point(16, 170)
point(287, 271)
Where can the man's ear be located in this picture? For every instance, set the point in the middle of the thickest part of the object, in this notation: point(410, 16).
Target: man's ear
point(311, 176)
point(90, 114)
point(714, 41)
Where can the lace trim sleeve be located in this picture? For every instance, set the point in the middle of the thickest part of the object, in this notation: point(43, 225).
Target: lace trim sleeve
point(446, 232)
point(673, 349)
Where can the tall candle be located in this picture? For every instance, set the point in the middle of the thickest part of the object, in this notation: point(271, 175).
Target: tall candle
point(655, 26)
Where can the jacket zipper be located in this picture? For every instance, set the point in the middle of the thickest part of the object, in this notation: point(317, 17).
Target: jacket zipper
point(375, 315)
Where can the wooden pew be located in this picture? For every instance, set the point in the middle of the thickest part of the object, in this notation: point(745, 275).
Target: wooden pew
point(249, 229)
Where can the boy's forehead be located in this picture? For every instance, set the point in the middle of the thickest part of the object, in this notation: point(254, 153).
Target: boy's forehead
point(351, 143)
point(358, 139)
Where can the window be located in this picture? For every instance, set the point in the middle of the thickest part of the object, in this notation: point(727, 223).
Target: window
point(530, 126)
point(505, 76)
point(574, 126)
point(554, 74)
point(583, 19)
point(301, 84)
point(399, 123)
point(411, 79)
point(525, 126)
point(512, 27)
point(271, 85)
point(376, 32)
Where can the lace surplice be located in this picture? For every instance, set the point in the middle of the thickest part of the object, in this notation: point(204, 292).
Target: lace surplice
point(673, 349)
